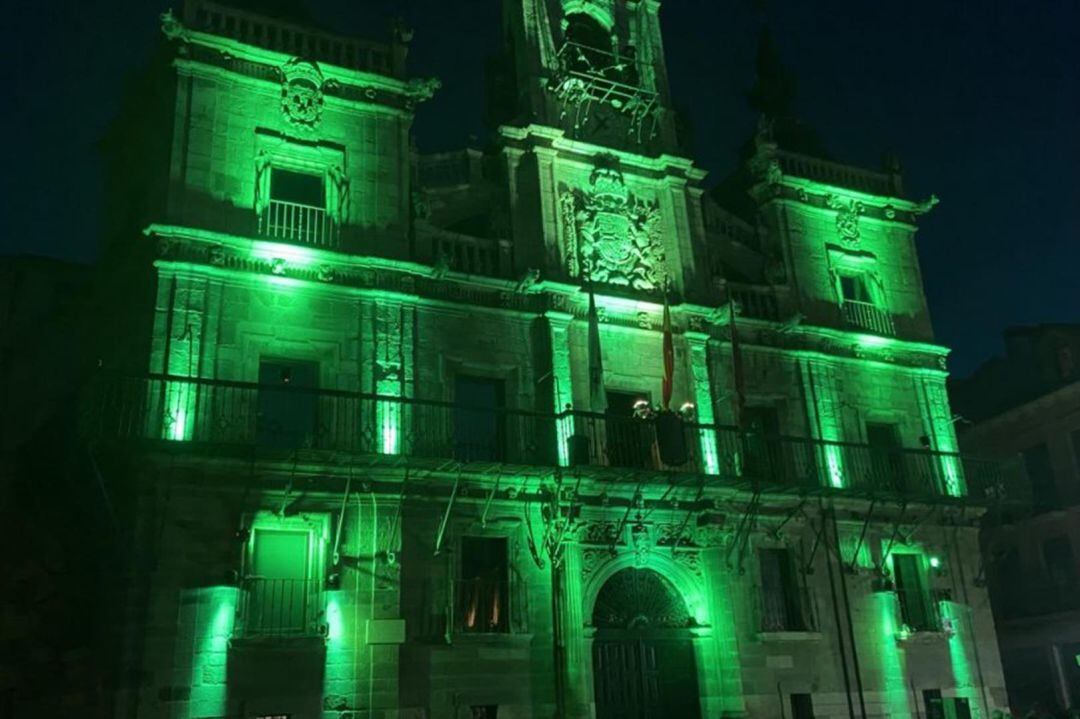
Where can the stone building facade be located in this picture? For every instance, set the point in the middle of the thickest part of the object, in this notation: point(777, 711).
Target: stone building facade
point(1026, 403)
point(539, 431)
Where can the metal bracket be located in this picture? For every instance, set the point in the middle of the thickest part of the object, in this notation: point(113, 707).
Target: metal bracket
point(446, 515)
point(862, 535)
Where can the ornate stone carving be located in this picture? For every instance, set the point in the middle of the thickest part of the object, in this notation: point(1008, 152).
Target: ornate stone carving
point(691, 560)
point(601, 532)
point(847, 217)
point(610, 236)
point(302, 92)
point(642, 542)
point(592, 560)
point(667, 534)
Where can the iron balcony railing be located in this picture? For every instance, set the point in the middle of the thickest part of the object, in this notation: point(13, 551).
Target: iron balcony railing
point(281, 608)
point(289, 418)
point(868, 316)
point(296, 222)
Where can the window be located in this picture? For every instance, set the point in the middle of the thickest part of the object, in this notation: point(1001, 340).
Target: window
point(293, 206)
point(298, 188)
point(915, 609)
point(629, 438)
point(781, 593)
point(479, 422)
point(935, 706)
point(279, 587)
point(886, 461)
point(802, 706)
point(853, 288)
point(287, 403)
point(483, 589)
point(1040, 473)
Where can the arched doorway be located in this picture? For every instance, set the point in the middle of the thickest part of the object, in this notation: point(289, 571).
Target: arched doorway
point(643, 654)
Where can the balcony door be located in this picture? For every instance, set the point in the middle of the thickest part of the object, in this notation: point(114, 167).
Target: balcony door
point(886, 460)
point(479, 431)
point(915, 608)
point(296, 211)
point(279, 586)
point(629, 439)
point(763, 456)
point(286, 404)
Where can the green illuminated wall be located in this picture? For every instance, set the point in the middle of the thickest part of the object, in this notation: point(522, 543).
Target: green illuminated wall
point(379, 318)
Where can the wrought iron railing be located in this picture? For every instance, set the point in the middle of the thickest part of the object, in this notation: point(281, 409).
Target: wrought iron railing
point(868, 316)
point(296, 222)
point(291, 418)
point(586, 75)
point(281, 608)
point(755, 301)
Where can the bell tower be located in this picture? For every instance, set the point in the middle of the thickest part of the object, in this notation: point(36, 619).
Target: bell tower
point(592, 68)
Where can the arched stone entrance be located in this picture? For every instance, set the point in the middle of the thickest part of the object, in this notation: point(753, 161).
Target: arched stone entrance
point(643, 654)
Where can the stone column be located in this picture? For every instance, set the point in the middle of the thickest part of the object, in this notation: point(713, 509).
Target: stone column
point(939, 429)
point(393, 326)
point(823, 416)
point(697, 344)
point(575, 651)
point(178, 350)
point(561, 381)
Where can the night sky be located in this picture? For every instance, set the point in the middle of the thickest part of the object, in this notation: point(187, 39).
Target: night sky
point(980, 100)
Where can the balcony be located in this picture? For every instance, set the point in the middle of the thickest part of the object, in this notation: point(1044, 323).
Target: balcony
point(585, 76)
point(839, 175)
point(868, 317)
point(283, 420)
point(292, 39)
point(298, 223)
point(471, 255)
point(281, 608)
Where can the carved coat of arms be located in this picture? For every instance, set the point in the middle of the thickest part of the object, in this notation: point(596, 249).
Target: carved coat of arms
point(611, 236)
point(847, 217)
point(302, 92)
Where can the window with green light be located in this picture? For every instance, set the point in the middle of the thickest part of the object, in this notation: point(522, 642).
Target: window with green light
point(916, 610)
point(282, 579)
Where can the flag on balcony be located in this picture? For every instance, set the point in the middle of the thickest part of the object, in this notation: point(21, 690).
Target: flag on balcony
point(597, 399)
point(669, 357)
